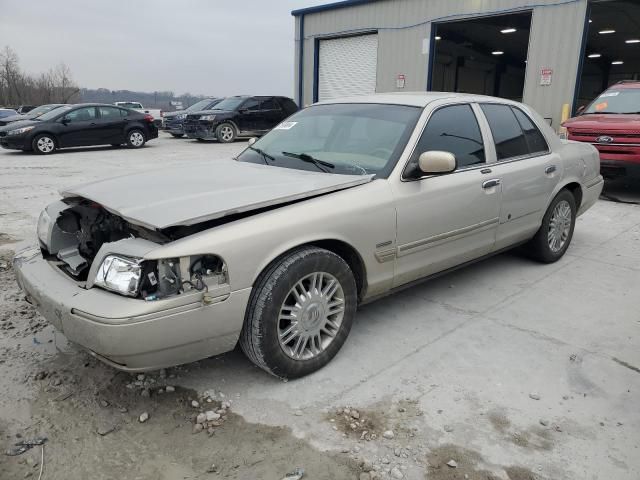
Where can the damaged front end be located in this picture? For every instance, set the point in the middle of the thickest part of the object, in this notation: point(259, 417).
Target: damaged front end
point(97, 248)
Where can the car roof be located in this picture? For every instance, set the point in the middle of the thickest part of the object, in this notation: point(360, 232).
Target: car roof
point(415, 99)
point(624, 84)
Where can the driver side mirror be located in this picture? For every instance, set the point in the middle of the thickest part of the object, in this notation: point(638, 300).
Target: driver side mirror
point(435, 162)
point(65, 121)
point(252, 140)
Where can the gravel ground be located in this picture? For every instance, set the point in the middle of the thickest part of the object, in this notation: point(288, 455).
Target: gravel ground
point(504, 370)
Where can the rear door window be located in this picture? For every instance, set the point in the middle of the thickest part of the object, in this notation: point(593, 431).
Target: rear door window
point(535, 139)
point(110, 113)
point(507, 133)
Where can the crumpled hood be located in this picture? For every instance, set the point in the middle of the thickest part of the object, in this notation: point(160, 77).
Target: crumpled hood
point(195, 193)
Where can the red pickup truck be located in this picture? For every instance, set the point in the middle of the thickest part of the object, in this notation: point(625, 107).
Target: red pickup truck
point(611, 123)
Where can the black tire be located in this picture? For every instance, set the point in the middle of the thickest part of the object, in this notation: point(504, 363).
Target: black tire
point(226, 132)
point(259, 338)
point(44, 144)
point(538, 247)
point(136, 138)
point(177, 135)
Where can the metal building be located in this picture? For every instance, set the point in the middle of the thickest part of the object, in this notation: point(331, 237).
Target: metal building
point(546, 53)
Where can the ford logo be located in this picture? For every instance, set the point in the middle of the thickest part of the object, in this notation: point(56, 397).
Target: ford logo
point(604, 139)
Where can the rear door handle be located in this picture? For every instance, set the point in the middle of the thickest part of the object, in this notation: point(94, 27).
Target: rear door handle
point(494, 182)
point(550, 169)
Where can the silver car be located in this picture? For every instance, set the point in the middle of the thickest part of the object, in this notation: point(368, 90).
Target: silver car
point(344, 202)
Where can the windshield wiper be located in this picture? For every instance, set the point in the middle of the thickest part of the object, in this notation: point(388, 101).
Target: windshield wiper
point(305, 157)
point(265, 156)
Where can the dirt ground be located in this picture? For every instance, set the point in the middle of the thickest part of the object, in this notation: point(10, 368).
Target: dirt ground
point(505, 370)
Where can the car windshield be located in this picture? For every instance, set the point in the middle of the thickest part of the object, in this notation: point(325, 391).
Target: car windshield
point(624, 100)
point(230, 103)
point(54, 112)
point(348, 138)
point(201, 105)
point(42, 109)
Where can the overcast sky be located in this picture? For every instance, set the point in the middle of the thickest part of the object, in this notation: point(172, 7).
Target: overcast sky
point(214, 47)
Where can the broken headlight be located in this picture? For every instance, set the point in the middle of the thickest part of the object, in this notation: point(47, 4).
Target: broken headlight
point(44, 224)
point(119, 274)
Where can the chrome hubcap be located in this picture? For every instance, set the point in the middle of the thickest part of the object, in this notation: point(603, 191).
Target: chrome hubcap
point(45, 144)
point(136, 139)
point(226, 133)
point(559, 226)
point(311, 316)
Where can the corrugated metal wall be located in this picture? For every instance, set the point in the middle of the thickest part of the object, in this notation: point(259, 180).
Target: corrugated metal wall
point(404, 29)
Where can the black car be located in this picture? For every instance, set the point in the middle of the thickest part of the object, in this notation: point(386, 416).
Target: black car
point(79, 126)
point(172, 122)
point(33, 113)
point(241, 116)
point(22, 109)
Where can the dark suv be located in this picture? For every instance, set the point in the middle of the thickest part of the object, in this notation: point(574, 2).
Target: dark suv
point(172, 122)
point(241, 116)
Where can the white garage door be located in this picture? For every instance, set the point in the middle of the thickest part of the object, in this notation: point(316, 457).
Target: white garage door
point(347, 66)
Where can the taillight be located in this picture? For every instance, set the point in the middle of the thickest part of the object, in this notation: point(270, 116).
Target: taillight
point(148, 117)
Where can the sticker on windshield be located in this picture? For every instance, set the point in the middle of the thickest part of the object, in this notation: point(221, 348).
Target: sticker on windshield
point(609, 94)
point(286, 126)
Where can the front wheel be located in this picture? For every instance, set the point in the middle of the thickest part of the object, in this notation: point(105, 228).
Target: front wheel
point(300, 313)
point(226, 133)
point(554, 236)
point(136, 139)
point(43, 144)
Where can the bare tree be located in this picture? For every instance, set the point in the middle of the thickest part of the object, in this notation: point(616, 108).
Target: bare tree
point(17, 87)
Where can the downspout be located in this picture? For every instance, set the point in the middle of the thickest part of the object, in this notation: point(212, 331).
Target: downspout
point(301, 64)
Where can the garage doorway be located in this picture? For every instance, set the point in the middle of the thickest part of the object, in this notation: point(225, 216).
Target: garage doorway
point(486, 56)
point(346, 66)
point(612, 51)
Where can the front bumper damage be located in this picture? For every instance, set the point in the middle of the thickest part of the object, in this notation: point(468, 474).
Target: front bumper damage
point(130, 333)
point(200, 129)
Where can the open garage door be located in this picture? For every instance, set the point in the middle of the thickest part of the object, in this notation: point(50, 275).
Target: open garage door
point(612, 52)
point(486, 55)
point(347, 66)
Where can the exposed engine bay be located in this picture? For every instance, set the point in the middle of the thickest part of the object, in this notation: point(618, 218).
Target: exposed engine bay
point(98, 248)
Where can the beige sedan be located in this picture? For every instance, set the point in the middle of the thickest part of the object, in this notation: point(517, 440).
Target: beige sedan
point(344, 202)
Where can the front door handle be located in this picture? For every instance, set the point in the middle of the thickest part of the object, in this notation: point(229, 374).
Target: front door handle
point(494, 182)
point(550, 169)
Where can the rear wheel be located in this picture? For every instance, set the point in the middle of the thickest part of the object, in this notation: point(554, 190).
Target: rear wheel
point(300, 313)
point(136, 139)
point(43, 144)
point(552, 240)
point(226, 133)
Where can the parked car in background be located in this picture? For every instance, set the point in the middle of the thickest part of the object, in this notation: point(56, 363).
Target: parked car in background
point(137, 106)
point(22, 109)
point(172, 122)
point(240, 116)
point(612, 124)
point(7, 112)
point(35, 113)
point(78, 126)
point(346, 201)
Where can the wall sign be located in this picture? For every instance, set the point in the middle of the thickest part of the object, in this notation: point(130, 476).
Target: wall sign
point(400, 80)
point(546, 75)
